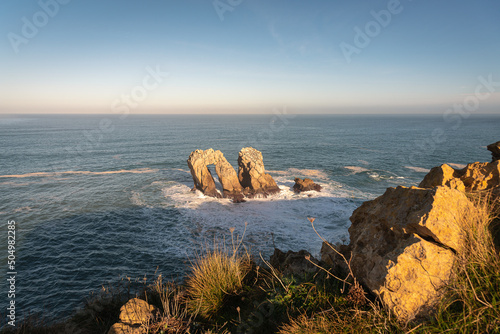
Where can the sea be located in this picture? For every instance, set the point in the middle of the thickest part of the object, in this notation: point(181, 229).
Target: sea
point(99, 199)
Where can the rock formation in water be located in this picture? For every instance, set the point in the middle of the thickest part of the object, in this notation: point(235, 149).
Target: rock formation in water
point(203, 180)
point(251, 174)
point(495, 151)
point(251, 179)
point(305, 185)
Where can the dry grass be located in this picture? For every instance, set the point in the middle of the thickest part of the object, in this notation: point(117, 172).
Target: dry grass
point(473, 304)
point(174, 316)
point(344, 320)
point(216, 275)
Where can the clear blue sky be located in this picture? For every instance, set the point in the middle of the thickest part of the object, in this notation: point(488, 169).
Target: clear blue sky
point(253, 55)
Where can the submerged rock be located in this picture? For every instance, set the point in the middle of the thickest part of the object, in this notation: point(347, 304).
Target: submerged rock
point(495, 151)
point(251, 174)
point(403, 245)
point(305, 185)
point(199, 160)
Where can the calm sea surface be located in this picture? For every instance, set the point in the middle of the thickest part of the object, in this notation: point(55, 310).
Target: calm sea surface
point(96, 199)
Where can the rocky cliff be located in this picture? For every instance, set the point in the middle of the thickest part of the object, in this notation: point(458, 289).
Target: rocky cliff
point(404, 243)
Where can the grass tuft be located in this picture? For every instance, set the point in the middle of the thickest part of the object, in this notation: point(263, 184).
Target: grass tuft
point(216, 275)
point(213, 277)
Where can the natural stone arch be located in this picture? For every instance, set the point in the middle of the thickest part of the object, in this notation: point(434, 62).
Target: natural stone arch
point(250, 181)
point(203, 179)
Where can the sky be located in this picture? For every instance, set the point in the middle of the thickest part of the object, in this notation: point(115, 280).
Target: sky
point(249, 56)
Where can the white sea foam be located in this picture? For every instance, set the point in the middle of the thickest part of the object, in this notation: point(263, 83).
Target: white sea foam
point(83, 172)
point(136, 199)
point(23, 209)
point(457, 166)
point(356, 169)
point(417, 169)
point(283, 215)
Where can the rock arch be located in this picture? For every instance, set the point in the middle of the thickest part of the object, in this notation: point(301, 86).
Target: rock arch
point(203, 179)
point(250, 181)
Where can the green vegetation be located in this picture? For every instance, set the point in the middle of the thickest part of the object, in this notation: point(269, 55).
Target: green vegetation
point(227, 292)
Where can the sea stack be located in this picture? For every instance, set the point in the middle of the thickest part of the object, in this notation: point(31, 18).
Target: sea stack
point(252, 176)
point(199, 160)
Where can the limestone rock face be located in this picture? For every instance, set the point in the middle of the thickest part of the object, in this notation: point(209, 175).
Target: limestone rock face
point(443, 175)
point(481, 175)
point(477, 176)
point(305, 185)
point(402, 245)
point(251, 173)
point(495, 151)
point(135, 312)
point(199, 160)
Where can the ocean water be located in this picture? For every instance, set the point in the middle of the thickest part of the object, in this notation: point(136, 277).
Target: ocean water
point(100, 198)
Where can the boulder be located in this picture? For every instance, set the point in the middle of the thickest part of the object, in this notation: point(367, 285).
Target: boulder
point(477, 176)
point(251, 174)
point(480, 176)
point(305, 185)
point(132, 315)
point(293, 263)
point(403, 245)
point(199, 160)
point(495, 151)
point(135, 312)
point(120, 328)
point(443, 175)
